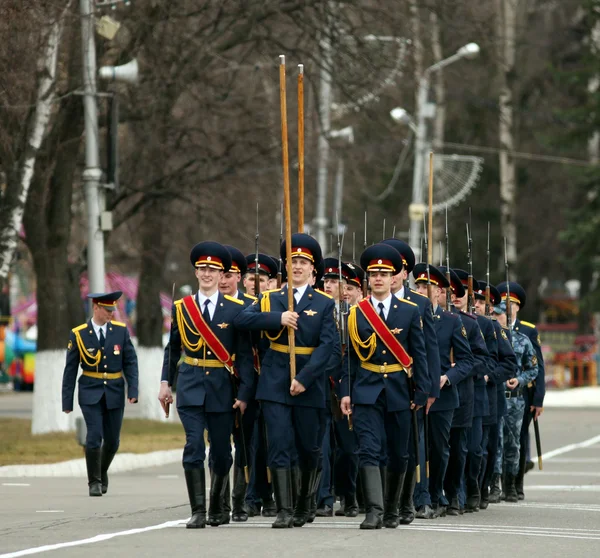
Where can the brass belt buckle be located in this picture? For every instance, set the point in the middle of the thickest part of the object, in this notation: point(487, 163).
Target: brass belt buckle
point(382, 368)
point(195, 362)
point(104, 376)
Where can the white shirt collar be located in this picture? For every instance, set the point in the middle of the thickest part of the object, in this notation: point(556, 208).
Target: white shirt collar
point(97, 328)
point(386, 304)
point(299, 292)
point(214, 298)
point(400, 293)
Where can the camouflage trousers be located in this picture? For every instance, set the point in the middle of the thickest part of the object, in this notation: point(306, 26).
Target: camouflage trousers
point(513, 421)
point(499, 453)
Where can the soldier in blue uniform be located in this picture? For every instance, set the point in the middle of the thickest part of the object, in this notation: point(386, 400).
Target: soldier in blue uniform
point(107, 357)
point(267, 271)
point(298, 406)
point(505, 368)
point(386, 345)
point(202, 325)
point(534, 394)
point(400, 290)
point(456, 362)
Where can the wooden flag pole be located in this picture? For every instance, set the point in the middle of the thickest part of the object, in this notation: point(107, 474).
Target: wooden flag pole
point(287, 209)
point(430, 216)
point(301, 148)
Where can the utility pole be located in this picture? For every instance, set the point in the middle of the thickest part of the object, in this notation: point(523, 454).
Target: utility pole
point(94, 197)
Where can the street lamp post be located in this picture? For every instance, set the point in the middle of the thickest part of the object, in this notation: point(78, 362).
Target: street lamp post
point(426, 111)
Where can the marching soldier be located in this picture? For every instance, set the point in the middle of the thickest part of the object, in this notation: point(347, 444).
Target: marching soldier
point(207, 390)
point(107, 357)
point(353, 288)
point(456, 362)
point(297, 407)
point(267, 271)
point(386, 345)
point(407, 508)
point(534, 395)
point(515, 402)
point(506, 364)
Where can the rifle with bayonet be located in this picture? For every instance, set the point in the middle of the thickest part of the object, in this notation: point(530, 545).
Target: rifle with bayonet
point(508, 304)
point(365, 285)
point(488, 308)
point(470, 298)
point(448, 276)
point(256, 264)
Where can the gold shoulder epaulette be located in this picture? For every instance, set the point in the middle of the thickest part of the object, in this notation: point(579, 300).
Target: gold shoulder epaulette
point(250, 296)
point(236, 300)
point(323, 293)
point(118, 324)
point(418, 293)
point(82, 326)
point(528, 324)
point(408, 302)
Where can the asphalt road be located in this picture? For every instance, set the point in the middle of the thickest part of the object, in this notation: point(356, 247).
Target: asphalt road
point(144, 514)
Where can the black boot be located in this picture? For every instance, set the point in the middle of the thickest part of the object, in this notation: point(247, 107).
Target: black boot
point(383, 473)
point(350, 505)
point(520, 477)
point(360, 499)
point(494, 497)
point(503, 483)
point(238, 513)
point(511, 491)
point(391, 500)
point(341, 512)
point(302, 508)
point(373, 494)
point(93, 459)
point(312, 513)
point(282, 490)
point(453, 507)
point(218, 484)
point(473, 498)
point(196, 486)
point(407, 506)
point(269, 509)
point(295, 471)
point(485, 498)
point(107, 457)
point(226, 504)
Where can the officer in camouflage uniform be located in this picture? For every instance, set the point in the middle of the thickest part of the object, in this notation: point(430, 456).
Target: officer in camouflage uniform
point(515, 403)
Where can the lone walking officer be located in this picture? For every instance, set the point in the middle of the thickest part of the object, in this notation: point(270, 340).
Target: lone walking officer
point(207, 390)
point(387, 347)
point(104, 350)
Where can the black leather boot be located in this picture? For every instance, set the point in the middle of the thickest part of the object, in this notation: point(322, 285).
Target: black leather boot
point(519, 480)
point(238, 513)
point(282, 490)
point(473, 498)
point(360, 500)
point(511, 491)
point(453, 507)
point(295, 471)
point(218, 484)
point(383, 473)
point(407, 506)
point(494, 497)
point(485, 498)
point(196, 487)
point(107, 457)
point(226, 504)
point(312, 513)
point(269, 509)
point(350, 505)
point(373, 494)
point(302, 508)
point(93, 459)
point(391, 500)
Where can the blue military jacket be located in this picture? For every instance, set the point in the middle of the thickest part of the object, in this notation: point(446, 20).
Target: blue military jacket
point(472, 396)
point(451, 336)
point(431, 345)
point(118, 355)
point(539, 386)
point(201, 384)
point(491, 342)
point(404, 321)
point(507, 366)
point(315, 339)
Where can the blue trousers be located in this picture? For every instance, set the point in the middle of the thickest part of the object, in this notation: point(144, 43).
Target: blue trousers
point(102, 424)
point(325, 493)
point(439, 452)
point(291, 432)
point(346, 459)
point(474, 453)
point(376, 426)
point(421, 495)
point(456, 464)
point(219, 425)
point(247, 427)
point(258, 489)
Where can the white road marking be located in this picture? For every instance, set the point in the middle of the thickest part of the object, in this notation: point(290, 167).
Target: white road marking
point(562, 507)
point(167, 476)
point(564, 473)
point(576, 460)
point(570, 447)
point(16, 484)
point(50, 511)
point(566, 487)
point(92, 540)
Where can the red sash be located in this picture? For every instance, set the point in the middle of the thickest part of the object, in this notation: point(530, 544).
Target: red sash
point(384, 333)
point(213, 342)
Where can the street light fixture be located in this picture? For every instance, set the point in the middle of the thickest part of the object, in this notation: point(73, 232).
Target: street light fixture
point(416, 210)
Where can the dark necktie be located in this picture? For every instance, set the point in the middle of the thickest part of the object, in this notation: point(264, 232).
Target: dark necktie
point(206, 313)
point(381, 314)
point(102, 338)
point(294, 291)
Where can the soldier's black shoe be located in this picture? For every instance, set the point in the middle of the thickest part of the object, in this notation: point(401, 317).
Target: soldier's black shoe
point(341, 511)
point(93, 465)
point(350, 506)
point(325, 511)
point(253, 510)
point(453, 508)
point(269, 509)
point(391, 499)
point(504, 482)
point(238, 512)
point(373, 496)
point(407, 506)
point(106, 460)
point(282, 490)
point(216, 513)
point(528, 466)
point(494, 497)
point(425, 512)
point(473, 499)
point(304, 501)
point(313, 511)
point(439, 510)
point(196, 487)
point(511, 491)
point(519, 487)
point(484, 502)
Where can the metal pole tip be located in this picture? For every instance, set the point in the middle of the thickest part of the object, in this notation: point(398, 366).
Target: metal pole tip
point(300, 68)
point(282, 59)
